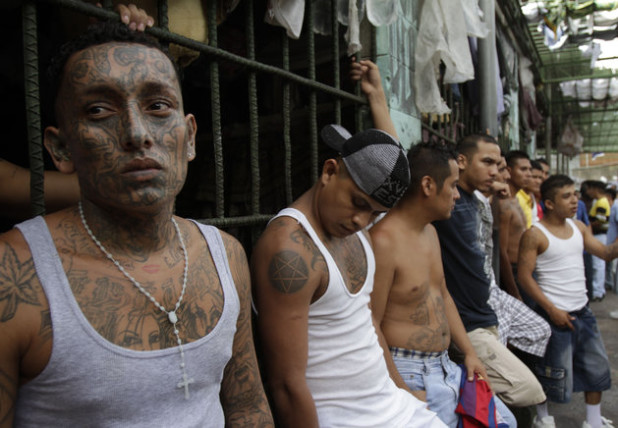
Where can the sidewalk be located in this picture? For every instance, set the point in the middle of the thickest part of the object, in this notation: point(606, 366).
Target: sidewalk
point(572, 414)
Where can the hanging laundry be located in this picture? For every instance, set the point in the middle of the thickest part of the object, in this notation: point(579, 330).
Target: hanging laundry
point(442, 36)
point(288, 14)
point(473, 15)
point(352, 36)
point(382, 12)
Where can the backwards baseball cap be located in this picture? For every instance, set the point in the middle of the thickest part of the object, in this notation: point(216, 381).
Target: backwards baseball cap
point(376, 162)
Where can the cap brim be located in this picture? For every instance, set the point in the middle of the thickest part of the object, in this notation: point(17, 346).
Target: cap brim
point(335, 136)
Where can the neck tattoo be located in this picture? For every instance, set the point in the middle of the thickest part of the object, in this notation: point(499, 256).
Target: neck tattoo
point(171, 315)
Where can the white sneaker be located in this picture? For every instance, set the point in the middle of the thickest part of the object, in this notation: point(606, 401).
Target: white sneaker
point(614, 315)
point(605, 423)
point(546, 422)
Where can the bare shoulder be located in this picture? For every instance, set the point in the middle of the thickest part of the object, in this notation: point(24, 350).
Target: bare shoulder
point(432, 234)
point(533, 239)
point(24, 310)
point(381, 234)
point(507, 206)
point(20, 288)
point(281, 233)
point(581, 226)
point(286, 259)
point(235, 250)
point(385, 233)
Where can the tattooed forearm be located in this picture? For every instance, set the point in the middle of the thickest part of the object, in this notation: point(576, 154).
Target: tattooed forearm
point(243, 398)
point(288, 272)
point(242, 393)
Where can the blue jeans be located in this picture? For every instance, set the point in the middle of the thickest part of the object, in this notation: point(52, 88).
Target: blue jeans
point(440, 378)
point(575, 361)
point(598, 271)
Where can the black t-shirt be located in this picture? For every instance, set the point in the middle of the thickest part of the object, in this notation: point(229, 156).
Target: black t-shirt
point(463, 259)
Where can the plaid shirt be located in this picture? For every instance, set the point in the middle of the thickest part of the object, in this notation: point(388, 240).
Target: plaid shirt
point(517, 323)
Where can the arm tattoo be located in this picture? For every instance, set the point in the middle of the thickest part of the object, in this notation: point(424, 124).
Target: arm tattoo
point(288, 272)
point(16, 280)
point(300, 237)
point(242, 395)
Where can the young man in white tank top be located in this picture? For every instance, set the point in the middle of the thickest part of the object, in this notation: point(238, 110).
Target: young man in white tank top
point(312, 273)
point(575, 359)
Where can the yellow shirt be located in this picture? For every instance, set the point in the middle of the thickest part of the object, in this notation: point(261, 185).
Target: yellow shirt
point(602, 216)
point(525, 201)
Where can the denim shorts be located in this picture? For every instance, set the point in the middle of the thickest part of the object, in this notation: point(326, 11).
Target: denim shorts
point(439, 377)
point(575, 360)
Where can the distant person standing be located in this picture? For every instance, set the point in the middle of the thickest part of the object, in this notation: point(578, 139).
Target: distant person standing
point(598, 214)
point(612, 234)
point(575, 359)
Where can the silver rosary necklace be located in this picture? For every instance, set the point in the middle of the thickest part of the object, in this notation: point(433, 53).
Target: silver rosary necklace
point(171, 315)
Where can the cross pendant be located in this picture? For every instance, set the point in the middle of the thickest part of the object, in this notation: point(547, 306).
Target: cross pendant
point(185, 384)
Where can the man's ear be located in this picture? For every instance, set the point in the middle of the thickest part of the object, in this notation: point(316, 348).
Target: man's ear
point(329, 170)
point(57, 148)
point(462, 161)
point(428, 185)
point(191, 133)
point(549, 204)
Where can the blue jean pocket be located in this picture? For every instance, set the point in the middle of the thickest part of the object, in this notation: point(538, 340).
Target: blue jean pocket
point(553, 381)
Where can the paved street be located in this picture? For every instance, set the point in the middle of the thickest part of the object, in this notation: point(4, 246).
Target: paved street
point(572, 414)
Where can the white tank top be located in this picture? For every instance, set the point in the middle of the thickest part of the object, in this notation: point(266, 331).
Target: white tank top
point(91, 382)
point(346, 370)
point(560, 269)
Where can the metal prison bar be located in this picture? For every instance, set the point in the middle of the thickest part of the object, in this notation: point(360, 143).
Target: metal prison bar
point(214, 54)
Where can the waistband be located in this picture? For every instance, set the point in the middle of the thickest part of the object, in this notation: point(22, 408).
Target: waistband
point(581, 311)
point(414, 355)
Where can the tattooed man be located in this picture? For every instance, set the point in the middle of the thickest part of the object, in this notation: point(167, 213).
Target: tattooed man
point(116, 312)
point(313, 273)
point(410, 301)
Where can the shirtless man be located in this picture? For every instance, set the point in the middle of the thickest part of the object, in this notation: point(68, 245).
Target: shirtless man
point(575, 359)
point(313, 274)
point(410, 301)
point(148, 314)
point(512, 220)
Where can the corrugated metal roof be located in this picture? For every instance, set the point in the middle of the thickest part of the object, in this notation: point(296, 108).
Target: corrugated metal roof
point(577, 50)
